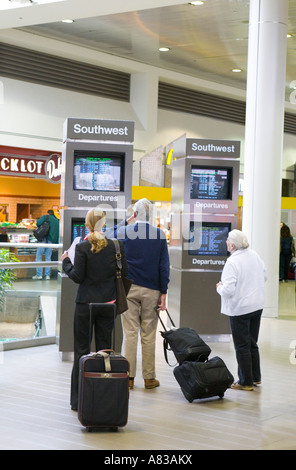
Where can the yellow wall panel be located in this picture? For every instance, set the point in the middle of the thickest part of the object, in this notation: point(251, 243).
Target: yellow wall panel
point(151, 193)
point(17, 186)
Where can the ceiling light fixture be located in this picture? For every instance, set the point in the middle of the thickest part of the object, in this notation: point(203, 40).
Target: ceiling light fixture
point(68, 21)
point(164, 49)
point(22, 2)
point(236, 70)
point(32, 2)
point(197, 3)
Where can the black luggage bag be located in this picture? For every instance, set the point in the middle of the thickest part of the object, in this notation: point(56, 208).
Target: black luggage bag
point(103, 395)
point(185, 343)
point(203, 379)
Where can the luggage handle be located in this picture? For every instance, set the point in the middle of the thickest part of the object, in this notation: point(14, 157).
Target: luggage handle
point(165, 343)
point(105, 353)
point(106, 357)
point(170, 318)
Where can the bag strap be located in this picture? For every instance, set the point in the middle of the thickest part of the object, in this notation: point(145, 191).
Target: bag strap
point(165, 343)
point(47, 220)
point(118, 254)
point(107, 362)
point(165, 351)
point(105, 353)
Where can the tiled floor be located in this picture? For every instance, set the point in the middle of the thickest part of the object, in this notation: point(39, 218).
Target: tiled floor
point(35, 412)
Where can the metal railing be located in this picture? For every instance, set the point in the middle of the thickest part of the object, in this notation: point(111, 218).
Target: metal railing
point(29, 264)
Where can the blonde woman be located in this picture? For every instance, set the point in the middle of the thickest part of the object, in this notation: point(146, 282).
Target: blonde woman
point(94, 269)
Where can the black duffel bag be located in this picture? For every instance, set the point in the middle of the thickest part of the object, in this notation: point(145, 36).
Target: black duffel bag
point(203, 380)
point(185, 343)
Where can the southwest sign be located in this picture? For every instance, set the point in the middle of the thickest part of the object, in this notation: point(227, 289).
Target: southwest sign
point(99, 129)
point(213, 148)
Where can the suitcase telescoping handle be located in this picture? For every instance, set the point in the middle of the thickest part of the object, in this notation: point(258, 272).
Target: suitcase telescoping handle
point(170, 318)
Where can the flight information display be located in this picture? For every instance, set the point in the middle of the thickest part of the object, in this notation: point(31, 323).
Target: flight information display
point(79, 229)
point(210, 183)
point(209, 238)
point(96, 171)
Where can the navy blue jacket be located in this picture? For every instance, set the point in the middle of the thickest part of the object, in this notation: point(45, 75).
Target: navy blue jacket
point(147, 254)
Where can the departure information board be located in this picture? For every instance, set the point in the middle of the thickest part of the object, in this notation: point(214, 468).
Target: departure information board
point(209, 238)
point(95, 172)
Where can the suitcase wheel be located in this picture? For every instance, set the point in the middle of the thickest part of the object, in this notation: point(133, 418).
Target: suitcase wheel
point(91, 429)
point(221, 395)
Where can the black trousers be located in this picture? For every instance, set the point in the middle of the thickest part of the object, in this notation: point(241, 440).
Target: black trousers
point(285, 266)
point(245, 333)
point(102, 324)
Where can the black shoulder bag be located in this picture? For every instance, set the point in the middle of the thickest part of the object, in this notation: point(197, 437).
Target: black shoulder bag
point(42, 231)
point(123, 284)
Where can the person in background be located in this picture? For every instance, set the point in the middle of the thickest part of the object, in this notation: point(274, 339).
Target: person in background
point(242, 298)
point(148, 260)
point(94, 269)
point(287, 250)
point(53, 237)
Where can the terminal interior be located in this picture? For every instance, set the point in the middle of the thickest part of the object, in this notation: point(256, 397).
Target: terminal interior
point(34, 371)
point(36, 415)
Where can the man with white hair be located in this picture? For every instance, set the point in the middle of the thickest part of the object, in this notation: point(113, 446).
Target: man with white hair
point(242, 298)
point(148, 261)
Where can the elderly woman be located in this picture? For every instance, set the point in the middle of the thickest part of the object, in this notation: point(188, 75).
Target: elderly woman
point(94, 269)
point(242, 298)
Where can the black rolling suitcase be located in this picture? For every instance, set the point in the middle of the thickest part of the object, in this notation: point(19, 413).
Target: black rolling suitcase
point(203, 379)
point(103, 395)
point(185, 343)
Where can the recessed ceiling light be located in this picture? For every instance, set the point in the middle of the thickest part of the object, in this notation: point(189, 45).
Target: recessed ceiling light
point(67, 21)
point(164, 49)
point(196, 3)
point(21, 1)
point(289, 35)
point(236, 70)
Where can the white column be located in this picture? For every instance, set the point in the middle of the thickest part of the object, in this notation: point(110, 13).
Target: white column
point(264, 136)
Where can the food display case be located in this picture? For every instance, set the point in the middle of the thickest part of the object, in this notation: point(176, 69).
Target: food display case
point(21, 233)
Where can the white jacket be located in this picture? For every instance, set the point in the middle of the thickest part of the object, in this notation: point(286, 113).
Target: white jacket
point(242, 289)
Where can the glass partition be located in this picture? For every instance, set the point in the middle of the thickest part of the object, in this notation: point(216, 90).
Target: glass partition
point(28, 305)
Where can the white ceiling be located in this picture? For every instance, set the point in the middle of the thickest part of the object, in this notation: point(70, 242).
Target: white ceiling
point(205, 42)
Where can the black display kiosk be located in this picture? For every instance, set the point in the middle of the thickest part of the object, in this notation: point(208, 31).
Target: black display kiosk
point(205, 181)
point(97, 161)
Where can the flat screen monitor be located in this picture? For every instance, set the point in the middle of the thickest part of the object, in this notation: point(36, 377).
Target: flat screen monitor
point(209, 238)
point(98, 171)
point(80, 230)
point(211, 182)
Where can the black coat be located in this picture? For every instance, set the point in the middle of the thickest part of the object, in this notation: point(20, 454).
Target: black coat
point(95, 272)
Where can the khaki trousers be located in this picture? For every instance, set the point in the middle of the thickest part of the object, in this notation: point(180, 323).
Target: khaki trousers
point(142, 319)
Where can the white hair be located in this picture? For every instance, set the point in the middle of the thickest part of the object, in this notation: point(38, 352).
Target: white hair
point(143, 208)
point(238, 239)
